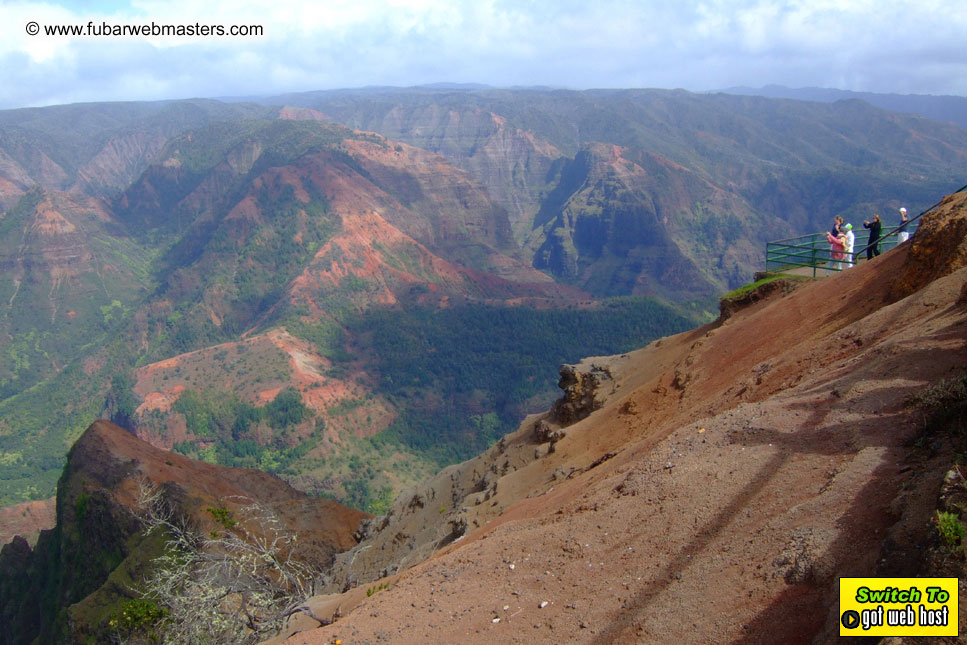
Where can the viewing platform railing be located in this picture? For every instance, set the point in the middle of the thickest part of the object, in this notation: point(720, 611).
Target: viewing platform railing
point(813, 251)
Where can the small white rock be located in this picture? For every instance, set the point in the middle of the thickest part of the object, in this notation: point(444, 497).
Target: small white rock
point(543, 604)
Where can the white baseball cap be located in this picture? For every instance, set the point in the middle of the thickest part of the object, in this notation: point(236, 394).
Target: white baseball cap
point(903, 210)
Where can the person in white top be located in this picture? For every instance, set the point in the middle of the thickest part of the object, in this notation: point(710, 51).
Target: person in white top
point(850, 240)
point(902, 233)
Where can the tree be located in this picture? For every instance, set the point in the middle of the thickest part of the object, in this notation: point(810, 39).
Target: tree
point(239, 584)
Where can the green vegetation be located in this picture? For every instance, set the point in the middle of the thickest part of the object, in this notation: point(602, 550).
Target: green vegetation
point(223, 429)
point(212, 413)
point(138, 618)
point(246, 266)
point(223, 516)
point(327, 337)
point(39, 425)
point(80, 506)
point(464, 376)
point(752, 286)
point(366, 472)
point(45, 315)
point(950, 529)
point(459, 379)
point(344, 407)
point(376, 589)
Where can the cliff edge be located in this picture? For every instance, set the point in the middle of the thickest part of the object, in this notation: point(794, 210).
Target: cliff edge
point(65, 588)
point(719, 484)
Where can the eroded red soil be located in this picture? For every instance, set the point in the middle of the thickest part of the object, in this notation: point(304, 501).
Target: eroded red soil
point(732, 475)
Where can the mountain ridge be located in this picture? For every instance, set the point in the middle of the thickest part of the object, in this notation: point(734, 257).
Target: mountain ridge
point(937, 107)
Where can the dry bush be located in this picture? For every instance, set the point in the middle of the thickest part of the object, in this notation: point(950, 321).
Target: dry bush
point(944, 405)
point(239, 584)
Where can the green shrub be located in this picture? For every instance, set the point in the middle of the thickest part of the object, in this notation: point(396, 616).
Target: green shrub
point(374, 590)
point(138, 616)
point(223, 516)
point(950, 529)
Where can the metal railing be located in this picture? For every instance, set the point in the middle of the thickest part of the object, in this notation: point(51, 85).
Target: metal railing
point(814, 252)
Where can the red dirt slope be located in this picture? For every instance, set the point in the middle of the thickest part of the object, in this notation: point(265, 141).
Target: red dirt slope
point(730, 476)
point(27, 519)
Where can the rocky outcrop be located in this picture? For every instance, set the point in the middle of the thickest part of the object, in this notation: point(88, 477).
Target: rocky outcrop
point(938, 248)
point(97, 532)
point(606, 225)
point(586, 387)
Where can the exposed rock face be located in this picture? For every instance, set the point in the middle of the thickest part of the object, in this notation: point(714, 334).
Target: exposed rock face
point(386, 217)
point(513, 164)
point(435, 514)
point(620, 223)
point(586, 387)
point(700, 183)
point(464, 497)
point(97, 531)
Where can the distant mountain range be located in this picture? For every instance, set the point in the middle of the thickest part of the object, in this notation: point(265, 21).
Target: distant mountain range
point(938, 108)
point(352, 288)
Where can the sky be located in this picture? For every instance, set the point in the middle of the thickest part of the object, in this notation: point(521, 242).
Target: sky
point(889, 46)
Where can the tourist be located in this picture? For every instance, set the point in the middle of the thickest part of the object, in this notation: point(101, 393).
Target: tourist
point(838, 246)
point(850, 241)
point(873, 246)
point(902, 234)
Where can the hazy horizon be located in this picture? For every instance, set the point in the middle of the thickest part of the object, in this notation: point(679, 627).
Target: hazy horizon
point(288, 47)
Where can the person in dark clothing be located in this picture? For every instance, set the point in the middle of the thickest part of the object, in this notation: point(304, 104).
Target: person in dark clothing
point(873, 246)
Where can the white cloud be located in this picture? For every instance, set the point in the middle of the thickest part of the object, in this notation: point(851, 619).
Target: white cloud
point(697, 45)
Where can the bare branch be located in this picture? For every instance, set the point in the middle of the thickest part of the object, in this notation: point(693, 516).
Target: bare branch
point(239, 585)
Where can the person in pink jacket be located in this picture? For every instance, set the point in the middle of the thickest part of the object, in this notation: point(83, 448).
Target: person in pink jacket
point(837, 246)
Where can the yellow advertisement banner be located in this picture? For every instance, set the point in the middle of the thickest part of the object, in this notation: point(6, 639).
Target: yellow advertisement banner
point(898, 606)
